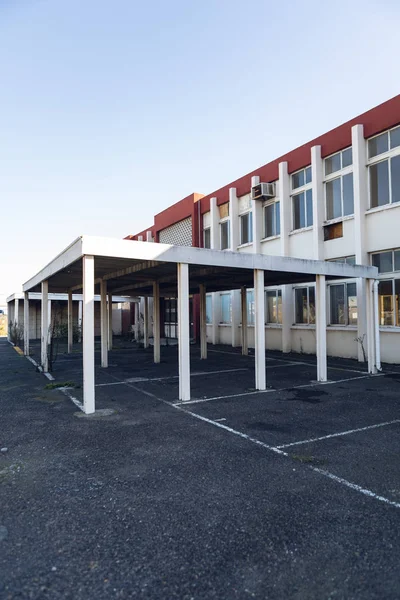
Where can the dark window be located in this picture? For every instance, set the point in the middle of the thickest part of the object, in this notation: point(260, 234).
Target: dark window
point(207, 238)
point(379, 184)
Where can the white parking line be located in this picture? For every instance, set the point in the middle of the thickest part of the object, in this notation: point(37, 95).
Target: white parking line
point(144, 379)
point(332, 435)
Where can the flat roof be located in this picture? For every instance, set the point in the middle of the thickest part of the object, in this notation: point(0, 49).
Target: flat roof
point(132, 267)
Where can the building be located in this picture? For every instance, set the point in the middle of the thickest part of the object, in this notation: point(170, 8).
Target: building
point(336, 198)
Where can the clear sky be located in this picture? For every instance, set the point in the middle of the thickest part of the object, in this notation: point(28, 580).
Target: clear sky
point(112, 110)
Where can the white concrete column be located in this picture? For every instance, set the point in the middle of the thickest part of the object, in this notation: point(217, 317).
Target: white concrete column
point(80, 319)
point(320, 327)
point(214, 227)
point(103, 323)
point(50, 314)
point(110, 323)
point(88, 335)
point(244, 332)
point(234, 220)
point(136, 326)
point(183, 331)
point(10, 318)
point(70, 322)
point(146, 322)
point(287, 318)
point(203, 322)
point(156, 321)
point(284, 207)
point(216, 316)
point(259, 329)
point(377, 329)
point(16, 311)
point(45, 326)
point(370, 328)
point(26, 323)
point(236, 317)
point(318, 202)
point(360, 188)
point(256, 209)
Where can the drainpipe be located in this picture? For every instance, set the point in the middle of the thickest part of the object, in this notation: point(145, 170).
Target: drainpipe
point(376, 323)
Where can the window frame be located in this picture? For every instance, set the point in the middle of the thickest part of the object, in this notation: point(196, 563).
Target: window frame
point(340, 173)
point(206, 229)
point(277, 208)
point(302, 287)
point(249, 214)
point(278, 295)
point(221, 224)
point(303, 189)
point(342, 168)
point(344, 283)
point(221, 321)
point(388, 155)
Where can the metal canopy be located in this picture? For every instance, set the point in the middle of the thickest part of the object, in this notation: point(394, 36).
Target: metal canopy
point(131, 267)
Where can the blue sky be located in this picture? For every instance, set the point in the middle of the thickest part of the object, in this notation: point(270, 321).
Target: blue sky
point(111, 111)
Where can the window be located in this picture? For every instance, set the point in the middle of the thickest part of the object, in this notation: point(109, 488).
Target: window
point(333, 231)
point(246, 228)
point(301, 178)
point(272, 219)
point(305, 305)
point(339, 197)
point(250, 307)
point(389, 302)
point(224, 235)
point(343, 304)
point(302, 210)
point(348, 260)
point(207, 238)
point(273, 306)
point(387, 261)
point(384, 175)
point(208, 308)
point(226, 308)
point(338, 161)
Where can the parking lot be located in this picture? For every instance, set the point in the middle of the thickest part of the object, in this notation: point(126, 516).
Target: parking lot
point(289, 493)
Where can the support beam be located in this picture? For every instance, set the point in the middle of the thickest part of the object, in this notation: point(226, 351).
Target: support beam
point(257, 210)
point(80, 319)
point(45, 326)
point(88, 335)
point(70, 322)
point(259, 329)
point(370, 328)
point(376, 323)
point(235, 329)
point(287, 317)
point(320, 326)
point(16, 312)
point(156, 321)
point(243, 306)
point(110, 316)
point(103, 323)
point(26, 323)
point(136, 326)
point(203, 322)
point(183, 331)
point(146, 322)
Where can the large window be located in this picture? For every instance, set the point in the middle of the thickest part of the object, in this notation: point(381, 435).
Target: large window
point(250, 307)
point(272, 219)
point(343, 304)
point(301, 178)
point(339, 197)
point(224, 235)
point(226, 308)
point(387, 261)
point(246, 228)
point(348, 260)
point(305, 305)
point(384, 175)
point(208, 309)
point(389, 302)
point(338, 161)
point(302, 210)
point(207, 237)
point(273, 306)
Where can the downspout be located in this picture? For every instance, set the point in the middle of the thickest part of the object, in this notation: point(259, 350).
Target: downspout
point(376, 324)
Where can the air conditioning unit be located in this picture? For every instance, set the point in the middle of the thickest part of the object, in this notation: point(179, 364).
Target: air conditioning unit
point(263, 191)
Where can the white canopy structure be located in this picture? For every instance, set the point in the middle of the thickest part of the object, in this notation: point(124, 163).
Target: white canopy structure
point(112, 266)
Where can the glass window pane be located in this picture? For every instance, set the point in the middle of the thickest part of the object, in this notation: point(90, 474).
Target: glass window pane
point(301, 305)
point(384, 261)
point(397, 260)
point(311, 305)
point(395, 173)
point(395, 137)
point(250, 224)
point(309, 208)
point(208, 309)
point(224, 229)
point(337, 305)
point(207, 238)
point(378, 145)
point(244, 229)
point(397, 300)
point(308, 175)
point(347, 158)
point(352, 303)
point(269, 220)
point(348, 194)
point(277, 218)
point(279, 306)
point(272, 308)
point(226, 306)
point(385, 290)
point(298, 211)
point(297, 180)
point(332, 164)
point(350, 260)
point(379, 184)
point(333, 199)
point(250, 307)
